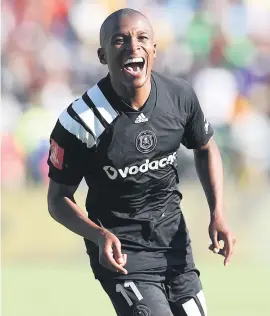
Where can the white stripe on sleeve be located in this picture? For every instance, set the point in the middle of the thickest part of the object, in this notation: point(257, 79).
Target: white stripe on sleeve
point(88, 117)
point(102, 104)
point(76, 129)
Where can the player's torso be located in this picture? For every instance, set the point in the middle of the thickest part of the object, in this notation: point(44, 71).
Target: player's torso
point(133, 170)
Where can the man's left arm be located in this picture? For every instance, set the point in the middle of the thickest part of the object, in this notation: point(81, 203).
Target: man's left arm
point(198, 136)
point(210, 171)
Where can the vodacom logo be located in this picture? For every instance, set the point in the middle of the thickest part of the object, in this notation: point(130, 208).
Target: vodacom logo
point(112, 173)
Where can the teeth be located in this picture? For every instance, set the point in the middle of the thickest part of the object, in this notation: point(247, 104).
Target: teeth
point(134, 60)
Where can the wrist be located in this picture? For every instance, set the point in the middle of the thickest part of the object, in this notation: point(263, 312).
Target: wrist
point(98, 234)
point(216, 214)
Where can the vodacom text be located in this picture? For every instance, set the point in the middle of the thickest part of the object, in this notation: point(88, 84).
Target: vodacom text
point(112, 173)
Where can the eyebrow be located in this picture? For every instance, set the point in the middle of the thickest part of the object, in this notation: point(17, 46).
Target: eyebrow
point(126, 34)
point(118, 34)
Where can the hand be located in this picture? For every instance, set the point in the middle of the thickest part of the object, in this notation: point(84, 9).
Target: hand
point(219, 231)
point(110, 255)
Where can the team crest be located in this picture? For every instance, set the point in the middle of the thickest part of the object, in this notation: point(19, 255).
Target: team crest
point(146, 141)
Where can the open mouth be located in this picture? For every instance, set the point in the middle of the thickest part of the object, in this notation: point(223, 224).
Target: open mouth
point(134, 66)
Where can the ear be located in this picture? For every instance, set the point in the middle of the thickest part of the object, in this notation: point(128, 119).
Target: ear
point(101, 56)
point(155, 50)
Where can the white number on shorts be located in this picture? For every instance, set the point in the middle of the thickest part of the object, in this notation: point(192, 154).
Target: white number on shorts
point(120, 289)
point(134, 289)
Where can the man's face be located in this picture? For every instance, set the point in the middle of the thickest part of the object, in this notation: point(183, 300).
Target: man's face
point(129, 51)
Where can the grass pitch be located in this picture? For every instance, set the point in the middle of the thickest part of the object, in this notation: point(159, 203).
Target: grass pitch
point(72, 290)
point(46, 273)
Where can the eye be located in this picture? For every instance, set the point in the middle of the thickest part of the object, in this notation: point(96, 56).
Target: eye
point(119, 40)
point(143, 38)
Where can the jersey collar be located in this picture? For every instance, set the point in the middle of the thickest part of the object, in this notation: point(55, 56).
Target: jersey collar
point(120, 106)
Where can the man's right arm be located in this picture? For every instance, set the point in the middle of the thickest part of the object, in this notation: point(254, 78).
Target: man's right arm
point(68, 160)
point(63, 208)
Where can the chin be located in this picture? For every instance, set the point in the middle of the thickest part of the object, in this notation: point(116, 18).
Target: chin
point(137, 83)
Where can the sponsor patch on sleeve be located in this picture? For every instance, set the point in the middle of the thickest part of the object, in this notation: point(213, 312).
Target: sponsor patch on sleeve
point(57, 155)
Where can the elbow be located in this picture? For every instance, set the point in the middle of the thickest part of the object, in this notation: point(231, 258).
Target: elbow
point(52, 206)
point(51, 211)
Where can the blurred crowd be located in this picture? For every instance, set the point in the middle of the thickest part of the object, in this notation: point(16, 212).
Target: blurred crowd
point(222, 47)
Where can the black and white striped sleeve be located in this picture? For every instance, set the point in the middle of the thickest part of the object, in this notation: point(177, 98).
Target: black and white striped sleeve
point(75, 135)
point(71, 140)
point(68, 143)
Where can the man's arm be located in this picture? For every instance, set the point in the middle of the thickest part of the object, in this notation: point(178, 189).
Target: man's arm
point(63, 208)
point(210, 171)
point(68, 161)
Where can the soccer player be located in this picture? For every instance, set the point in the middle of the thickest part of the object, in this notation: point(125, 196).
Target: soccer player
point(122, 137)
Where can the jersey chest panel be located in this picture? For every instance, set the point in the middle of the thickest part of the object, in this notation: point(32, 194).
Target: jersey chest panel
point(128, 150)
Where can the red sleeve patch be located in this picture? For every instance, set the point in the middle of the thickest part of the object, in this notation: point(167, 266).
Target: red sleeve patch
point(57, 155)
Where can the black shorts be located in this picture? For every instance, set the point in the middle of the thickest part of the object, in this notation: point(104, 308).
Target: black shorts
point(179, 295)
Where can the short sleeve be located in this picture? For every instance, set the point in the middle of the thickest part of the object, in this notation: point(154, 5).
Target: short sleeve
point(65, 160)
point(198, 130)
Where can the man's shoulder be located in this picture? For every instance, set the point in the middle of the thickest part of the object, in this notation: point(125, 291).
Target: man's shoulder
point(172, 84)
point(89, 115)
point(176, 93)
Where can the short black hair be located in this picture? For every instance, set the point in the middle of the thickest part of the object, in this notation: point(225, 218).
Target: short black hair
point(118, 15)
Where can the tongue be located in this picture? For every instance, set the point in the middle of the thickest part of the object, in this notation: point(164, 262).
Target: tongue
point(133, 68)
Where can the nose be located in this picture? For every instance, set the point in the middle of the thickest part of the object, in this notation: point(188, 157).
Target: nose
point(132, 45)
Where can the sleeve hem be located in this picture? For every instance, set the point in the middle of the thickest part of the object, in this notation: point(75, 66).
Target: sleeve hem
point(65, 181)
point(198, 146)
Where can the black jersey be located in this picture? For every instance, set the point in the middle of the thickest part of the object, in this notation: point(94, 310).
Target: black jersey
point(129, 161)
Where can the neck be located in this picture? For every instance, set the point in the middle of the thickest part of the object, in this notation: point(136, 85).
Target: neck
point(136, 98)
